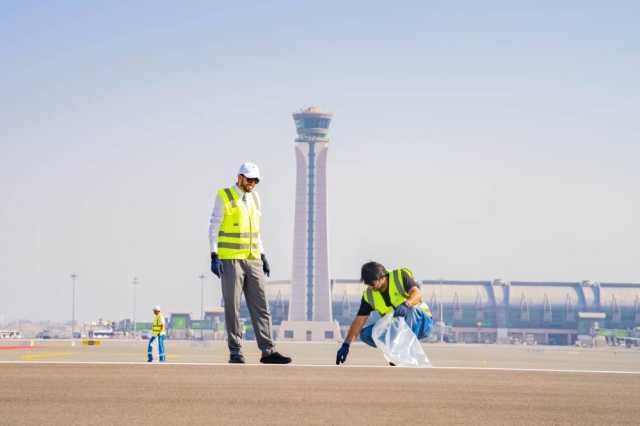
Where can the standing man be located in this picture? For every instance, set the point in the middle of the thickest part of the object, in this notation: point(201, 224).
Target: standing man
point(158, 331)
point(387, 291)
point(237, 258)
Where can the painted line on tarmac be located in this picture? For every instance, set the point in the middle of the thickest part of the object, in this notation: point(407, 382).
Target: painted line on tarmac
point(224, 364)
point(538, 370)
point(23, 347)
point(38, 356)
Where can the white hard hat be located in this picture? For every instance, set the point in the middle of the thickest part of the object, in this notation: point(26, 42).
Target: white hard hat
point(249, 170)
point(156, 308)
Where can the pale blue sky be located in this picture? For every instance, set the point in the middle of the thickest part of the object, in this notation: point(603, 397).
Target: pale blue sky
point(469, 141)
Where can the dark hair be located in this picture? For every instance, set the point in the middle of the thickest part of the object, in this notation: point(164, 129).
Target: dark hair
point(372, 271)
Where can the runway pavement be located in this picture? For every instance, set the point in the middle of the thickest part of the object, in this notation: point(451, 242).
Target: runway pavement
point(441, 355)
point(204, 394)
point(57, 383)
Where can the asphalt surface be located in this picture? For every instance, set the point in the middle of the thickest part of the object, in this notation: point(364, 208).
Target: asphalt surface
point(57, 382)
point(441, 355)
point(251, 394)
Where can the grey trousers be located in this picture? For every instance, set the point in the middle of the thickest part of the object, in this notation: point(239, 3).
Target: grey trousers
point(246, 276)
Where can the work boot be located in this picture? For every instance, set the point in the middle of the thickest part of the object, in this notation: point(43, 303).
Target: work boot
point(236, 359)
point(275, 358)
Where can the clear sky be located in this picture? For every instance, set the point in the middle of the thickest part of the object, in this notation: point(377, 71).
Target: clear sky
point(471, 140)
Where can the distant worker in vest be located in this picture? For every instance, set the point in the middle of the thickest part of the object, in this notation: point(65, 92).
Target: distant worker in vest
point(387, 291)
point(159, 332)
point(238, 259)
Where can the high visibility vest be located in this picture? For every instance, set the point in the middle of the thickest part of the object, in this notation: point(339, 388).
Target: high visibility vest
point(157, 329)
point(240, 229)
point(397, 294)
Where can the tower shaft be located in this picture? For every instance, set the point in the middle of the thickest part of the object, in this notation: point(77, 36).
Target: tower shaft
point(310, 289)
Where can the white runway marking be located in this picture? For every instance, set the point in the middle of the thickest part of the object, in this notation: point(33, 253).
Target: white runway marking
point(220, 364)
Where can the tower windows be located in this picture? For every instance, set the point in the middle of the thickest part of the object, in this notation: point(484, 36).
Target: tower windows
point(315, 123)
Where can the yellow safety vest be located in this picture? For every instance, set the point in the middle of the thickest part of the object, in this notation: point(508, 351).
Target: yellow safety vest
point(240, 228)
point(397, 294)
point(157, 329)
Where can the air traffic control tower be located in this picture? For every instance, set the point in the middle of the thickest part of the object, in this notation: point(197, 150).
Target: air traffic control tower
point(310, 315)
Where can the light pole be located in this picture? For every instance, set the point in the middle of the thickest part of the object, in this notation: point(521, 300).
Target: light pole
point(135, 284)
point(442, 324)
point(73, 305)
point(201, 306)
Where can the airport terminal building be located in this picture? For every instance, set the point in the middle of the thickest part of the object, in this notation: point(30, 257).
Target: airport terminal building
point(499, 311)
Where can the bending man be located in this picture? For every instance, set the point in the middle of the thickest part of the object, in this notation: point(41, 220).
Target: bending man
point(387, 291)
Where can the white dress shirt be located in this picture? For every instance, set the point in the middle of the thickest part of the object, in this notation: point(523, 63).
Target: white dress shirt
point(218, 214)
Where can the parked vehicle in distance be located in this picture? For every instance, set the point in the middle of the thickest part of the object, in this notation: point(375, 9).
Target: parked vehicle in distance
point(105, 333)
point(44, 334)
point(10, 334)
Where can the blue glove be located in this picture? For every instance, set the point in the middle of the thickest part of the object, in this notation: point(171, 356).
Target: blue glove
point(216, 265)
point(401, 310)
point(265, 265)
point(341, 357)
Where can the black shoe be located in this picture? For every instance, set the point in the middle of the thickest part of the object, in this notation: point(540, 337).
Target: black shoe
point(392, 364)
point(275, 358)
point(236, 359)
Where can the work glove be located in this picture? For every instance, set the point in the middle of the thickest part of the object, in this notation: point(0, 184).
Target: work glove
point(265, 265)
point(401, 310)
point(216, 265)
point(341, 357)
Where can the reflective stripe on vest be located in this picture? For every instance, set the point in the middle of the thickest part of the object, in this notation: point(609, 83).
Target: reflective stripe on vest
point(238, 234)
point(237, 246)
point(230, 197)
point(397, 280)
point(397, 294)
point(370, 299)
point(240, 228)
